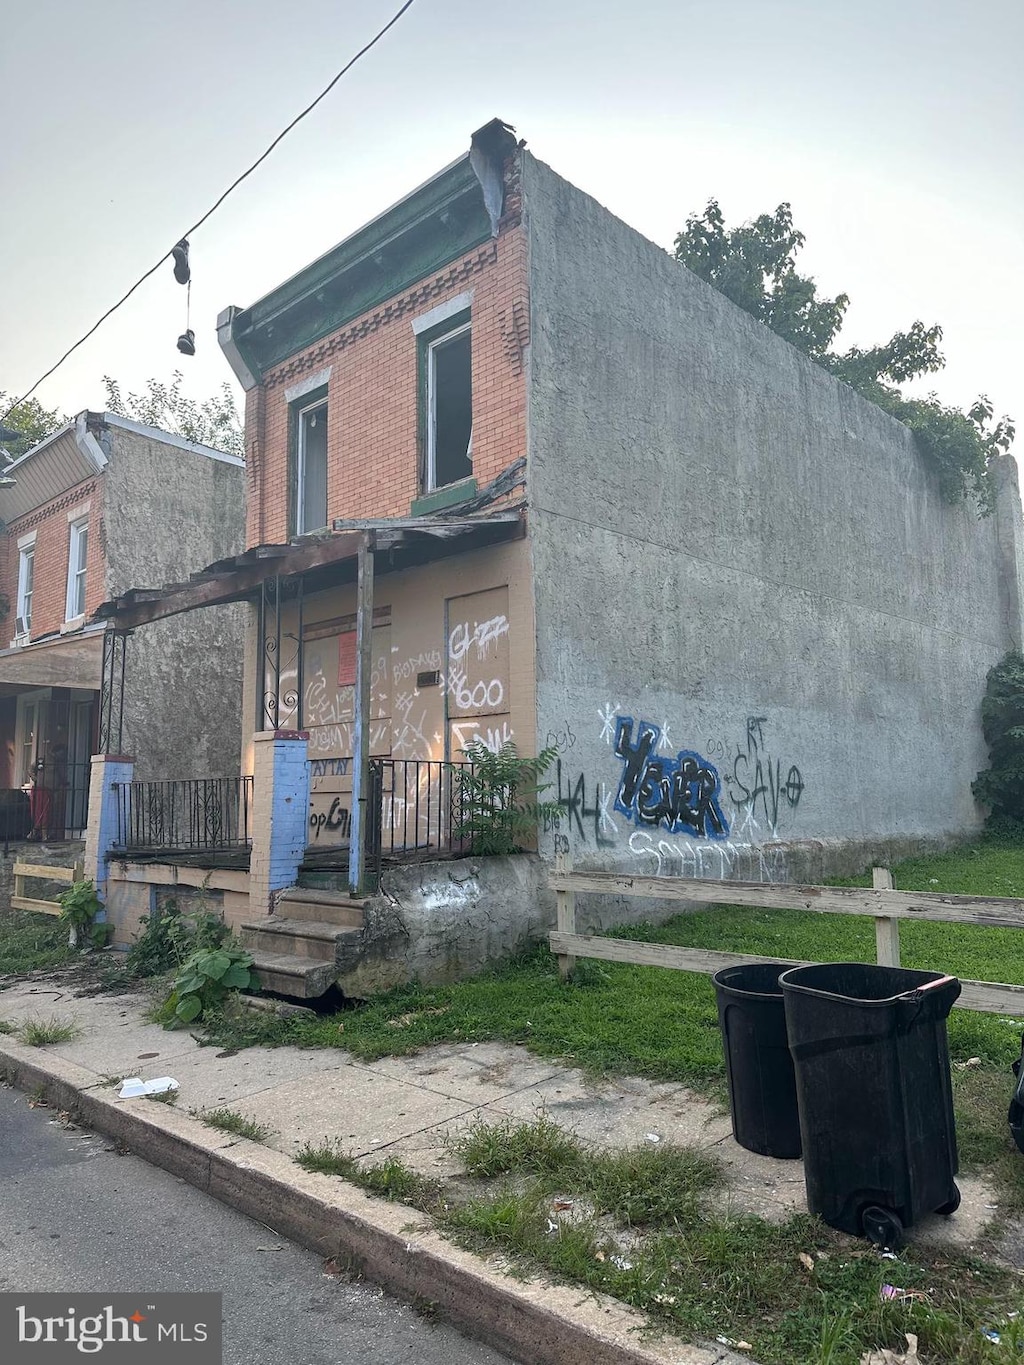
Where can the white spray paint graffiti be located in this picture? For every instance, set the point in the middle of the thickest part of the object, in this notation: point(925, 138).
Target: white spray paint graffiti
point(482, 634)
point(681, 858)
point(606, 715)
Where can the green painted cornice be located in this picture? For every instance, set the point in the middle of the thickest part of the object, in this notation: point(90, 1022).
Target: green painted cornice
point(431, 227)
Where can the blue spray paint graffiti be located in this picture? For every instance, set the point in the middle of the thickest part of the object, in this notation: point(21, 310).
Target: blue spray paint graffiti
point(680, 793)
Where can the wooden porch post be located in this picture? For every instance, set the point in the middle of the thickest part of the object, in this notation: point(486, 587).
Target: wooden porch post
point(361, 732)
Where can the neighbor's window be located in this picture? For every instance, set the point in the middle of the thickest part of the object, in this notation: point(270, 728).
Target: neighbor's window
point(449, 408)
point(26, 571)
point(78, 550)
point(311, 469)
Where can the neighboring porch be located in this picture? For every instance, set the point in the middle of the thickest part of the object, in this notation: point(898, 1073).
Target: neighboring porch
point(49, 728)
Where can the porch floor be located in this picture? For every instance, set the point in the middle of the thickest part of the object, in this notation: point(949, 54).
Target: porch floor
point(182, 857)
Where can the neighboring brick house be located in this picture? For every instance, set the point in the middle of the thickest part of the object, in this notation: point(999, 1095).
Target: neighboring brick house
point(608, 511)
point(90, 510)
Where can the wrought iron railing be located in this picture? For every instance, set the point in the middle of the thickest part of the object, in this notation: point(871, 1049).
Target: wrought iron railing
point(195, 813)
point(57, 801)
point(413, 805)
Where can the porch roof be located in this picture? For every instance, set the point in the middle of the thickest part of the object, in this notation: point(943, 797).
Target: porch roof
point(321, 559)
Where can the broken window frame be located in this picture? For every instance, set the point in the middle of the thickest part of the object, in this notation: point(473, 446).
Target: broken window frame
point(430, 342)
point(310, 405)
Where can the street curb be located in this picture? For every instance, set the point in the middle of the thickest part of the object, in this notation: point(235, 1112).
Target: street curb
point(536, 1323)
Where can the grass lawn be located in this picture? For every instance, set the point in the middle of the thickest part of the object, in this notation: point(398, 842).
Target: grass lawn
point(615, 1018)
point(663, 1024)
point(29, 941)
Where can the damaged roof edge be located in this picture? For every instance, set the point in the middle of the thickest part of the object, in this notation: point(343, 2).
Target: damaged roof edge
point(480, 166)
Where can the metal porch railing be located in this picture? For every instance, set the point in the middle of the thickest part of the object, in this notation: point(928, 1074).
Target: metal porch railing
point(194, 813)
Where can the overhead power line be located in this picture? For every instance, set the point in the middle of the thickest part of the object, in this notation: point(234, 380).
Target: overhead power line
point(213, 207)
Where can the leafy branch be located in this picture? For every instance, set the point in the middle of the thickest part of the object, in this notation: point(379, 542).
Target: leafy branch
point(754, 265)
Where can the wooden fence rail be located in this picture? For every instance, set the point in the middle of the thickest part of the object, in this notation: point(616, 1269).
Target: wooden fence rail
point(886, 906)
point(19, 901)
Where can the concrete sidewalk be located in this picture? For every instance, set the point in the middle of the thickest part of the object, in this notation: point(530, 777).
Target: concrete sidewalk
point(406, 1107)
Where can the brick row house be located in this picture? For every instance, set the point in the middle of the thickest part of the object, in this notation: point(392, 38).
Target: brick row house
point(87, 512)
point(514, 473)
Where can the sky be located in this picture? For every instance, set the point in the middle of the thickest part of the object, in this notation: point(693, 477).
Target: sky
point(895, 129)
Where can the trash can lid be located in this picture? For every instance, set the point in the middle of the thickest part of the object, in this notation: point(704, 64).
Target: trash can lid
point(862, 982)
point(751, 978)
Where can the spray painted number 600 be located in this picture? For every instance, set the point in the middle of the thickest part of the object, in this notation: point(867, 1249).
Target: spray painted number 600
point(483, 694)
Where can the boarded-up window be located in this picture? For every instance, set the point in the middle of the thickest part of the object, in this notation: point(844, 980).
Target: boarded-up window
point(478, 654)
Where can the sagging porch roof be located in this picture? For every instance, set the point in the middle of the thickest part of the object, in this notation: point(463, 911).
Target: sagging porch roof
point(321, 559)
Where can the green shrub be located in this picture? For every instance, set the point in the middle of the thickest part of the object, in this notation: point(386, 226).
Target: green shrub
point(204, 981)
point(169, 937)
point(495, 798)
point(1001, 785)
point(79, 906)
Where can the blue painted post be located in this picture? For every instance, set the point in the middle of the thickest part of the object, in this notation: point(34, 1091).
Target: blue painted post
point(280, 820)
point(111, 774)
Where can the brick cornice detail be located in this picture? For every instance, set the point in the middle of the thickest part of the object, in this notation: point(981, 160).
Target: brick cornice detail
point(401, 307)
point(30, 519)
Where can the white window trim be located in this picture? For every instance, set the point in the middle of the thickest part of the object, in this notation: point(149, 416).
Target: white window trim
point(431, 470)
point(300, 466)
point(26, 547)
point(442, 312)
point(75, 529)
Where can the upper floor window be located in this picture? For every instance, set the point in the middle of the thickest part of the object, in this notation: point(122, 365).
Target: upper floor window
point(78, 551)
point(26, 573)
point(449, 407)
point(311, 468)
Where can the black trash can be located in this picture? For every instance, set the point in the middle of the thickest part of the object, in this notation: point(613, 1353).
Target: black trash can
point(762, 1088)
point(876, 1102)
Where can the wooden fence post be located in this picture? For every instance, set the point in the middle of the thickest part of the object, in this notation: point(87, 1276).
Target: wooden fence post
point(565, 903)
point(887, 930)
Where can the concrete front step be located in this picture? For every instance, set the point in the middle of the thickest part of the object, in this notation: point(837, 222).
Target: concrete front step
point(323, 907)
point(296, 937)
point(302, 978)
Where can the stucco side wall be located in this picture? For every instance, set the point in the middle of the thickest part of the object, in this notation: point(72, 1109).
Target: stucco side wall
point(169, 512)
point(743, 568)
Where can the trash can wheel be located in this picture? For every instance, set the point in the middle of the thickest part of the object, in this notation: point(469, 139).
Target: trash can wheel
point(951, 1205)
point(882, 1227)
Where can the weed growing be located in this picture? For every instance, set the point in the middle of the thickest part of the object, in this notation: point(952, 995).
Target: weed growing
point(30, 942)
point(390, 1178)
point(55, 1029)
point(230, 1121)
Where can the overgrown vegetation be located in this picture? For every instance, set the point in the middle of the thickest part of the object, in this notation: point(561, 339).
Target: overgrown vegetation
point(30, 942)
point(230, 1121)
point(645, 1226)
point(1000, 786)
point(79, 906)
point(54, 1029)
point(168, 937)
point(754, 265)
point(204, 982)
point(496, 798)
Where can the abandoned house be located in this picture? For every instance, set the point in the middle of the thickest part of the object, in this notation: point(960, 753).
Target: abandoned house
point(102, 504)
point(514, 473)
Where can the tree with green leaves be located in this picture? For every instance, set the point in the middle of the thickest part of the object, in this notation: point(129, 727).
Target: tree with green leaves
point(754, 265)
point(214, 422)
point(26, 424)
point(1000, 786)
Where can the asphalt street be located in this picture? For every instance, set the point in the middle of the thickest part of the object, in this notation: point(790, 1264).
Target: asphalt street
point(76, 1214)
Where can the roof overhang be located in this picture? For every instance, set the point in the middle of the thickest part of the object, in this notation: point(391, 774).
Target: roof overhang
point(320, 561)
point(67, 661)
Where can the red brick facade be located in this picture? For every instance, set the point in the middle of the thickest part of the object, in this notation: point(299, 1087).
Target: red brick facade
point(373, 448)
point(50, 578)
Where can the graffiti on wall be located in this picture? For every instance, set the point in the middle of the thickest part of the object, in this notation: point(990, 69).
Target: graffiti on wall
point(757, 782)
point(680, 793)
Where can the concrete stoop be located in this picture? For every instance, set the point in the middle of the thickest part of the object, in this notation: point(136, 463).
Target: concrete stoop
point(297, 949)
